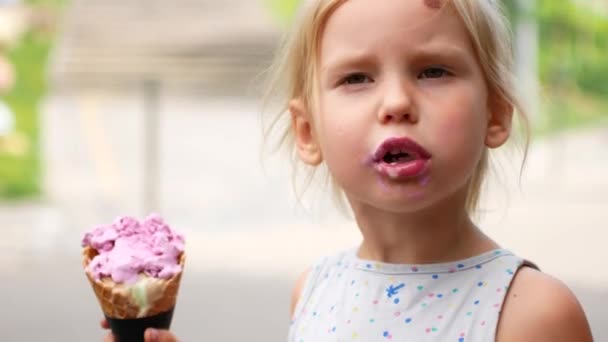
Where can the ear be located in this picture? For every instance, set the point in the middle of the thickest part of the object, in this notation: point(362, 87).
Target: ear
point(499, 123)
point(303, 129)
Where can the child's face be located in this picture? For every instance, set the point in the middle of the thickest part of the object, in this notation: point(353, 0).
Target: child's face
point(394, 71)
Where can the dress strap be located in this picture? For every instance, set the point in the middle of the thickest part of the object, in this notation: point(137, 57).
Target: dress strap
point(528, 263)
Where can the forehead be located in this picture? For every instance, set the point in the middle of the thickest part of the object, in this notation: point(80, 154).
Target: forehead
point(394, 24)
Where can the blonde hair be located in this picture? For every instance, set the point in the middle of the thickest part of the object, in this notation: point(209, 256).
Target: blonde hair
point(294, 70)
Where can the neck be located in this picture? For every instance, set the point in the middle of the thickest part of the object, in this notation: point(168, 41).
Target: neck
point(441, 233)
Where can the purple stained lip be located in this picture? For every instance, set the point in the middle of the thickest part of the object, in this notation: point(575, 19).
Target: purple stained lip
point(401, 145)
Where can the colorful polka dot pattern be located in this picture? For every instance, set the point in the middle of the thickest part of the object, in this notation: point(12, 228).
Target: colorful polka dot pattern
point(349, 299)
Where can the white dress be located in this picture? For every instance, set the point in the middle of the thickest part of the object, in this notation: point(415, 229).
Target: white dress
point(346, 298)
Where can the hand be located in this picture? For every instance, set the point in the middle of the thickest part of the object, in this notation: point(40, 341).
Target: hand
point(151, 335)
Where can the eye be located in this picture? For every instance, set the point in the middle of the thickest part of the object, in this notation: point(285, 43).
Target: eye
point(356, 78)
point(434, 72)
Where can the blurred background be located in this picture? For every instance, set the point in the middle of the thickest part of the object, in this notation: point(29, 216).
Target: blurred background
point(125, 107)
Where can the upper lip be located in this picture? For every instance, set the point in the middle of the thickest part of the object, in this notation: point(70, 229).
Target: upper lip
point(401, 144)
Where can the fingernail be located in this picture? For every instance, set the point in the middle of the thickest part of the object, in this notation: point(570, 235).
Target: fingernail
point(153, 335)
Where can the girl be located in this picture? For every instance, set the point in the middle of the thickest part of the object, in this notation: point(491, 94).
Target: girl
point(401, 101)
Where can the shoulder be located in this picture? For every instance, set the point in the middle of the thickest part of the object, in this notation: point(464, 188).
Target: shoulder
point(541, 308)
point(312, 274)
point(297, 290)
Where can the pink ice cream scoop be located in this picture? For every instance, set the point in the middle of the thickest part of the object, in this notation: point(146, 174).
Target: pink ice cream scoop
point(129, 247)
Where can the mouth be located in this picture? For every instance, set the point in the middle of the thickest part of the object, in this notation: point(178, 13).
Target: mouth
point(399, 150)
point(400, 158)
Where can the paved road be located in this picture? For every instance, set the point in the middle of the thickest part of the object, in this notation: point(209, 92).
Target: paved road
point(247, 239)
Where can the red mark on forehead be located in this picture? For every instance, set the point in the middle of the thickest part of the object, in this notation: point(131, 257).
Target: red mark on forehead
point(434, 4)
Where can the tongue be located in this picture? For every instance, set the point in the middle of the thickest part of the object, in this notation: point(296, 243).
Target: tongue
point(395, 158)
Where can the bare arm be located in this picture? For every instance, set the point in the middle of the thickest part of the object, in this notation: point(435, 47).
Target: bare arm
point(539, 308)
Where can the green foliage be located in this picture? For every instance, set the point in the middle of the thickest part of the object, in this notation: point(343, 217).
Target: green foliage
point(47, 3)
point(20, 174)
point(283, 10)
point(573, 62)
point(571, 109)
point(574, 46)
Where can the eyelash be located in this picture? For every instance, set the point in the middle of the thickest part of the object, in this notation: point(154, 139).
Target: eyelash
point(346, 80)
point(435, 68)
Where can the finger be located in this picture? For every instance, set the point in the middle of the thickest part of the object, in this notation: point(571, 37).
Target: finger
point(104, 324)
point(109, 338)
point(154, 335)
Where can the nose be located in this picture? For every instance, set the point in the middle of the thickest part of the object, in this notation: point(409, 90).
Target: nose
point(397, 105)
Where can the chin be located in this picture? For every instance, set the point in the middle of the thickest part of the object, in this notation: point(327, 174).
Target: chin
point(404, 206)
point(401, 202)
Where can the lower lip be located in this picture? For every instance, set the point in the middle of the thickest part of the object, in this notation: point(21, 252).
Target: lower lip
point(403, 171)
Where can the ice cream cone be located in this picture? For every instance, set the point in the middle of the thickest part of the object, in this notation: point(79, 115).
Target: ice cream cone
point(135, 269)
point(118, 302)
point(127, 318)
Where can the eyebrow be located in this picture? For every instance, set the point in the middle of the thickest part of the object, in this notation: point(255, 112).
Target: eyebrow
point(347, 61)
point(441, 50)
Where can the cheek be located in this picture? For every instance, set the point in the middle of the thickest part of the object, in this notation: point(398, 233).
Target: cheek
point(460, 136)
point(460, 128)
point(341, 143)
point(337, 140)
point(337, 129)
